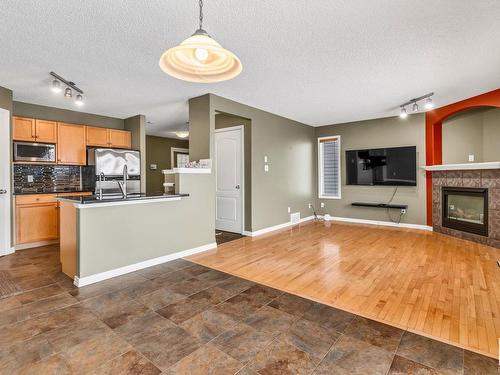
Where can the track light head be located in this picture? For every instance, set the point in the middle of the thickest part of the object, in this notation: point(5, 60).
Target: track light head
point(79, 100)
point(403, 113)
point(415, 107)
point(68, 93)
point(428, 103)
point(56, 86)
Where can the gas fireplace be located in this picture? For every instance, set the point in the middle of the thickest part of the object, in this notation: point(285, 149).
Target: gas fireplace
point(465, 209)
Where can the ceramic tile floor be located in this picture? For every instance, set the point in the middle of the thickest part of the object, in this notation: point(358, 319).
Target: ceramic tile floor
point(183, 318)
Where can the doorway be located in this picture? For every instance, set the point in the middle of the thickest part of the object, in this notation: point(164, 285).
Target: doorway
point(229, 177)
point(5, 185)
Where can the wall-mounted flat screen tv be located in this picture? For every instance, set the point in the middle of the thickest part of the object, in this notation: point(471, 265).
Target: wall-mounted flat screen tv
point(395, 166)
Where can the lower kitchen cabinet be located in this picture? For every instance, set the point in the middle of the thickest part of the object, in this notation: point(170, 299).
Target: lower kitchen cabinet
point(37, 222)
point(37, 217)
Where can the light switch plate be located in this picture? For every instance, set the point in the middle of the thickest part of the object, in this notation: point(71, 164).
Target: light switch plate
point(153, 167)
point(265, 159)
point(266, 168)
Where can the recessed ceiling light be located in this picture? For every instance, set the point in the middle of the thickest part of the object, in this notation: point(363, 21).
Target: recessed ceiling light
point(182, 134)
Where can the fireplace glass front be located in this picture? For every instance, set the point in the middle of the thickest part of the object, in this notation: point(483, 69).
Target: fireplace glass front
point(466, 209)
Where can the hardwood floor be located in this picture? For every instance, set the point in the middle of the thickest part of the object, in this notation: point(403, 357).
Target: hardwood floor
point(424, 282)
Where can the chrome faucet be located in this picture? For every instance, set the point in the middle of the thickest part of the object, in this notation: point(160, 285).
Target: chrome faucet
point(123, 184)
point(102, 177)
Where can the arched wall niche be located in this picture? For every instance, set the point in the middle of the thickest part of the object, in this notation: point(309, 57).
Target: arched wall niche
point(434, 133)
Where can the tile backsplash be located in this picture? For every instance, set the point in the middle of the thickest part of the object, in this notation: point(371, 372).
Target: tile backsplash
point(31, 178)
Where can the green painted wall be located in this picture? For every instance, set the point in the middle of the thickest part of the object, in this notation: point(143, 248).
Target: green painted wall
point(288, 145)
point(473, 132)
point(158, 152)
point(113, 237)
point(385, 132)
point(64, 115)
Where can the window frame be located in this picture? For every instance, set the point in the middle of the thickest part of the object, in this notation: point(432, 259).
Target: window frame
point(320, 168)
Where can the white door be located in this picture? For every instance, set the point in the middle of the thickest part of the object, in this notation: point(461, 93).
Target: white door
point(5, 227)
point(229, 179)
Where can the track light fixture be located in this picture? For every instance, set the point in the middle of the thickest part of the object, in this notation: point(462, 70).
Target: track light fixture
point(79, 100)
point(403, 113)
point(68, 91)
point(56, 86)
point(428, 103)
point(414, 102)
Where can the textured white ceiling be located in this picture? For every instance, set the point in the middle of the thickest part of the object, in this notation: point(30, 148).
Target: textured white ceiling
point(315, 61)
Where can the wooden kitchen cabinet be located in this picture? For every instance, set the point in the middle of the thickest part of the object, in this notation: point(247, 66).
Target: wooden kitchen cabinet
point(37, 218)
point(104, 137)
point(120, 138)
point(23, 129)
point(71, 144)
point(97, 136)
point(28, 129)
point(46, 131)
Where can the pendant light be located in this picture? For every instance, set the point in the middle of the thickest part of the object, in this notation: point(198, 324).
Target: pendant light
point(200, 59)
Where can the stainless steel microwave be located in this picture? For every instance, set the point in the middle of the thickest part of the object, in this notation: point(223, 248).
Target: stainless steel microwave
point(39, 152)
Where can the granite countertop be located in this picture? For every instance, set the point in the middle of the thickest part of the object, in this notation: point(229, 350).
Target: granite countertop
point(94, 199)
point(55, 191)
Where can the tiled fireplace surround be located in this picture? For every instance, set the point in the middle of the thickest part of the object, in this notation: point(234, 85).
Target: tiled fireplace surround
point(488, 178)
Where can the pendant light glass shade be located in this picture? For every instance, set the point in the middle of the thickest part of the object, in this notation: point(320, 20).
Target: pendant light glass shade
point(200, 59)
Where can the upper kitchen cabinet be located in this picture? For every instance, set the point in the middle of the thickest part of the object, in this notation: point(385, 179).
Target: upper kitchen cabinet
point(46, 131)
point(71, 144)
point(97, 136)
point(120, 138)
point(28, 129)
point(23, 129)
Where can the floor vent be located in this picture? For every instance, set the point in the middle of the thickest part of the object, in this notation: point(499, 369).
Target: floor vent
point(295, 218)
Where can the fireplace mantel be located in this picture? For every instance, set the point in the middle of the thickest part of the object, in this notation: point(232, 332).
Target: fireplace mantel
point(463, 167)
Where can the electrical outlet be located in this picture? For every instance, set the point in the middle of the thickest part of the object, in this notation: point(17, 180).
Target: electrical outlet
point(403, 211)
point(289, 210)
point(471, 157)
point(265, 159)
point(266, 168)
point(310, 205)
point(30, 178)
point(322, 204)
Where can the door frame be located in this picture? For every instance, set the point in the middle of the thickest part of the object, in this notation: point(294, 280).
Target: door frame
point(241, 128)
point(5, 147)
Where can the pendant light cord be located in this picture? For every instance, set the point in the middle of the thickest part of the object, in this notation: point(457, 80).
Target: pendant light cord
point(201, 14)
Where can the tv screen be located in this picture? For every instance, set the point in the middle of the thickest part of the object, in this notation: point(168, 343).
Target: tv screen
point(395, 166)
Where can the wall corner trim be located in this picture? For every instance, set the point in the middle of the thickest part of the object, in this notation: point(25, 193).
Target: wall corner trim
point(275, 227)
point(87, 280)
point(381, 223)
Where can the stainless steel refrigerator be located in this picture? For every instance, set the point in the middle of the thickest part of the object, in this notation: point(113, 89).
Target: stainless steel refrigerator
point(110, 162)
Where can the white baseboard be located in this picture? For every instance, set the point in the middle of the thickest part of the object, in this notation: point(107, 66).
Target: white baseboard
point(383, 223)
point(87, 280)
point(275, 227)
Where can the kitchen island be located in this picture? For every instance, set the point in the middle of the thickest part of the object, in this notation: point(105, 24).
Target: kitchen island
point(104, 238)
